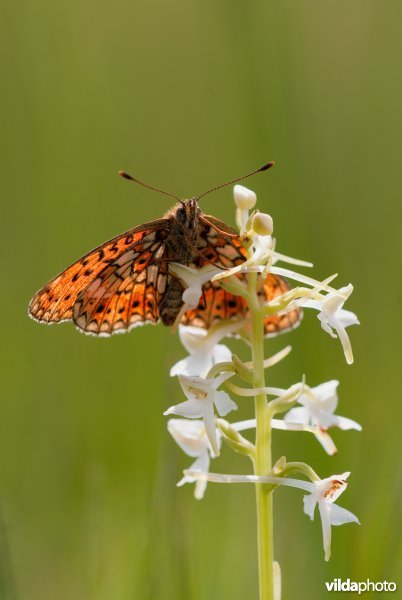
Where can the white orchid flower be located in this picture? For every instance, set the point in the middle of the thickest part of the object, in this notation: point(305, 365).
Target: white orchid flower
point(202, 396)
point(323, 492)
point(193, 279)
point(204, 348)
point(318, 408)
point(192, 439)
point(333, 316)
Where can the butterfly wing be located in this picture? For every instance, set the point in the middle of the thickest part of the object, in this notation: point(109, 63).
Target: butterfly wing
point(112, 288)
point(273, 287)
point(221, 245)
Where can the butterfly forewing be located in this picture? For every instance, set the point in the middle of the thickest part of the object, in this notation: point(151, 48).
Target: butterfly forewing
point(105, 273)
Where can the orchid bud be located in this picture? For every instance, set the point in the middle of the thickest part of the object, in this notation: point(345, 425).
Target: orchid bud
point(244, 198)
point(262, 224)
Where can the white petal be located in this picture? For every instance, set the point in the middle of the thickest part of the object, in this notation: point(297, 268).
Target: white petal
point(333, 303)
point(326, 393)
point(309, 505)
point(182, 367)
point(277, 580)
point(199, 363)
point(199, 490)
point(326, 529)
point(191, 409)
point(326, 441)
point(192, 338)
point(189, 435)
point(223, 403)
point(329, 403)
point(196, 364)
point(347, 318)
point(332, 487)
point(192, 384)
point(298, 415)
point(324, 419)
point(221, 353)
point(202, 465)
point(322, 317)
point(347, 347)
point(193, 279)
point(310, 303)
point(191, 295)
point(344, 423)
point(210, 427)
point(203, 348)
point(339, 515)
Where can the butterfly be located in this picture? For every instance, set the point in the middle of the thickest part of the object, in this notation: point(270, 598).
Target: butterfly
point(125, 282)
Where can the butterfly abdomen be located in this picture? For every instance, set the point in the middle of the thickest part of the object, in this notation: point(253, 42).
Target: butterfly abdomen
point(172, 302)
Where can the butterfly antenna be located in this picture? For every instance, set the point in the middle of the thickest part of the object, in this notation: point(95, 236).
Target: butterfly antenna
point(263, 168)
point(150, 187)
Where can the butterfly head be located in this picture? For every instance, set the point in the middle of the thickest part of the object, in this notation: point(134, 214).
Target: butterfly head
point(187, 213)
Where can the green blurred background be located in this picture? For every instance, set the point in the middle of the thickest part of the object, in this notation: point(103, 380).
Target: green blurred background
point(187, 94)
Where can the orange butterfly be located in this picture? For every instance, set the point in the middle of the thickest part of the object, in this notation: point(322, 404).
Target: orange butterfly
point(126, 281)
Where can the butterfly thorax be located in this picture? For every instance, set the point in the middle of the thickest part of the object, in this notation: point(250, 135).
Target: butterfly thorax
point(183, 231)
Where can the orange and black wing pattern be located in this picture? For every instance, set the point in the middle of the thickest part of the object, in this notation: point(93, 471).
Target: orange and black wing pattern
point(221, 245)
point(116, 286)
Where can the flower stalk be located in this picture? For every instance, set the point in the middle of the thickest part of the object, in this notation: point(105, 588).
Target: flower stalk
point(263, 455)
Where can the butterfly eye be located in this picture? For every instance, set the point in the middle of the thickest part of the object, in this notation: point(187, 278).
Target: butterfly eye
point(181, 215)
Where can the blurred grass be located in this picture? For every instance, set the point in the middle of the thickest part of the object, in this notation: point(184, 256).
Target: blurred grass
point(186, 95)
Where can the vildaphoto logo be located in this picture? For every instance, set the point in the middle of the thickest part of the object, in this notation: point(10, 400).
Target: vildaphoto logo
point(339, 585)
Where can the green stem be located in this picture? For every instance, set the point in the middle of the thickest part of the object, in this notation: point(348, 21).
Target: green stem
point(263, 459)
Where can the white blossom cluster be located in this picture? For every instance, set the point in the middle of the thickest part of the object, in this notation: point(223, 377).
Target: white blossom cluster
point(210, 365)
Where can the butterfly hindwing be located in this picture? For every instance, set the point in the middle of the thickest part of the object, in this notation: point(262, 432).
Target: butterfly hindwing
point(273, 287)
point(123, 296)
point(222, 246)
